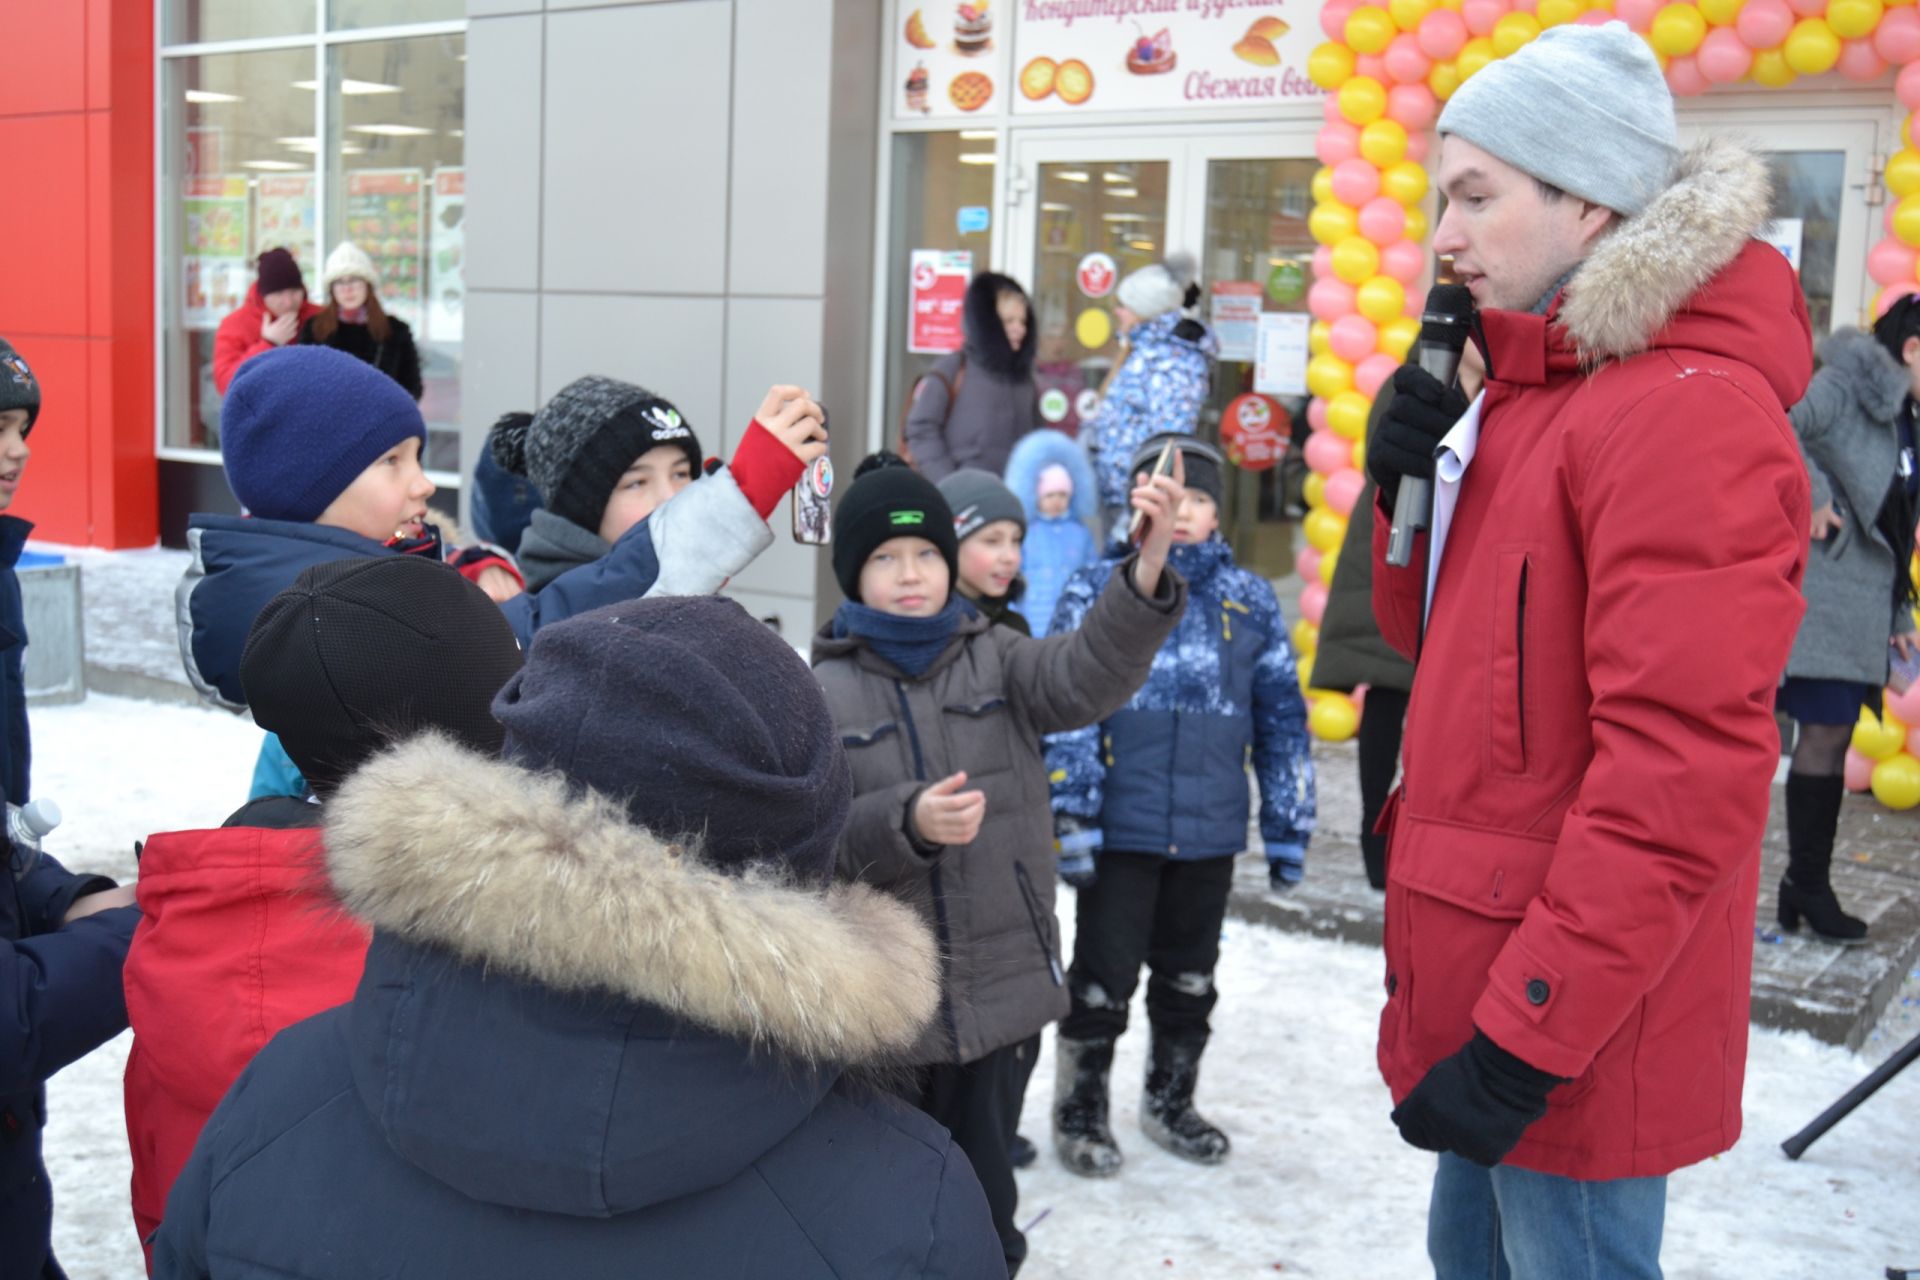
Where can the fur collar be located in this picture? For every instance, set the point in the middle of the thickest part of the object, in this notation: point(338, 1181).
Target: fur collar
point(507, 868)
point(987, 344)
point(1640, 276)
point(1877, 381)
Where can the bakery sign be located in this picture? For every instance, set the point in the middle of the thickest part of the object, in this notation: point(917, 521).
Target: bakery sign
point(1055, 57)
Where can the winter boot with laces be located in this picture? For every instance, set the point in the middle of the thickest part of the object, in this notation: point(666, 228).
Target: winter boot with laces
point(1166, 1108)
point(1080, 1131)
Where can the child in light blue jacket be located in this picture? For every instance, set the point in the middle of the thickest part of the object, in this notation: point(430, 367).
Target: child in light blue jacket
point(1054, 482)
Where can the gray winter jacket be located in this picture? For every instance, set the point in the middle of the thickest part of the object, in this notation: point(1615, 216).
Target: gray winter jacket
point(1351, 651)
point(981, 707)
point(1848, 429)
point(993, 410)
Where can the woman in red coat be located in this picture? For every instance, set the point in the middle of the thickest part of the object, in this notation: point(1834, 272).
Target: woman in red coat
point(271, 317)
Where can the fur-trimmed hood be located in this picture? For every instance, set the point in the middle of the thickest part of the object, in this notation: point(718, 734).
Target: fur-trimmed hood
point(1038, 450)
point(1878, 382)
point(987, 344)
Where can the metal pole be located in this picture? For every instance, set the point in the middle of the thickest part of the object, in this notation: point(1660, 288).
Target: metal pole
point(1902, 1059)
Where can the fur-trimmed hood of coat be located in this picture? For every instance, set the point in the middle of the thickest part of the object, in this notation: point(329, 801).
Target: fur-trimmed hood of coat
point(515, 871)
point(987, 344)
point(1878, 381)
point(1648, 270)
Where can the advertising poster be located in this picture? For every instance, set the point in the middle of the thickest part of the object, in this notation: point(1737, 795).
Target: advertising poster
point(216, 265)
point(937, 281)
point(283, 217)
point(1236, 318)
point(950, 59)
point(1280, 368)
point(386, 216)
point(1788, 235)
point(447, 258)
point(1253, 431)
point(1160, 55)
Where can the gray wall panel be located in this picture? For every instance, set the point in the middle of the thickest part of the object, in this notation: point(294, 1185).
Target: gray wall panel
point(783, 53)
point(503, 153)
point(772, 340)
point(499, 366)
point(669, 345)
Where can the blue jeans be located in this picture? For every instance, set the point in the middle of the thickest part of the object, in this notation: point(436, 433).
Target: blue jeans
point(1513, 1224)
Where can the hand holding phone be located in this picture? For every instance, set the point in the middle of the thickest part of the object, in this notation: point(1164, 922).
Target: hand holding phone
point(1162, 466)
point(813, 498)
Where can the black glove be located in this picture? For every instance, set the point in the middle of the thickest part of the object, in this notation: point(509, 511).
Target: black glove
point(1475, 1104)
point(1418, 417)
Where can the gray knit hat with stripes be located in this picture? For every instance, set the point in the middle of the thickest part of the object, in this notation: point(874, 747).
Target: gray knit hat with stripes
point(580, 443)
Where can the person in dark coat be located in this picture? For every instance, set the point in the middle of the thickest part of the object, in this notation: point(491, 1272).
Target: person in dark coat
point(970, 408)
point(63, 937)
point(598, 1035)
point(352, 320)
point(1856, 428)
point(501, 504)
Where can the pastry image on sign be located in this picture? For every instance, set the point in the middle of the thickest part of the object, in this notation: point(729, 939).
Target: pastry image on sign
point(1257, 47)
point(1151, 55)
point(970, 90)
point(1037, 77)
point(917, 32)
point(973, 29)
point(917, 89)
point(1073, 82)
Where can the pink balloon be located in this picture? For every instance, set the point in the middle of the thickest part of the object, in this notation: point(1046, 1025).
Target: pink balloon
point(1418, 143)
point(1686, 79)
point(1638, 14)
point(1897, 38)
point(1307, 564)
point(1327, 453)
point(1891, 295)
point(1913, 741)
point(1372, 66)
point(1764, 24)
point(1337, 142)
point(1442, 34)
point(1405, 63)
point(1313, 601)
point(1906, 86)
point(1905, 705)
point(1413, 107)
point(1859, 770)
point(1594, 18)
point(1353, 338)
point(1355, 181)
point(1808, 8)
point(1383, 220)
point(1859, 61)
point(1403, 260)
point(1329, 299)
point(1891, 262)
point(1333, 18)
point(1322, 262)
point(1480, 15)
point(1343, 490)
point(1331, 110)
point(1373, 373)
point(1724, 56)
point(1317, 417)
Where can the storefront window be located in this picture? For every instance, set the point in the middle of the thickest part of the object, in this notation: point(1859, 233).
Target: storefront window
point(351, 15)
point(1807, 187)
point(205, 21)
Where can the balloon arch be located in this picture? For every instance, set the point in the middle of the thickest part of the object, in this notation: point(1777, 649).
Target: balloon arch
point(1387, 68)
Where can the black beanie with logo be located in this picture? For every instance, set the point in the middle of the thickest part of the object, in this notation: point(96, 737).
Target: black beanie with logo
point(888, 499)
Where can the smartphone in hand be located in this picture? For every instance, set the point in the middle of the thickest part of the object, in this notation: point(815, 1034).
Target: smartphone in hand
point(1162, 466)
point(813, 502)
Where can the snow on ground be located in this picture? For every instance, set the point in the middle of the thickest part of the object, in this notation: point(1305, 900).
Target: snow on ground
point(1318, 1185)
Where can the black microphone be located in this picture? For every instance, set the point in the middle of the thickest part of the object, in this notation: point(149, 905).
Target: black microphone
point(1443, 337)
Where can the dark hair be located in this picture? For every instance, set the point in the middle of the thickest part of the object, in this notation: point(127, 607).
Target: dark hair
point(1548, 192)
point(329, 317)
point(1901, 321)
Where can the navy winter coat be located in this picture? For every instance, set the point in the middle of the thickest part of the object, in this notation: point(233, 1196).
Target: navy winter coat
point(60, 994)
point(578, 1052)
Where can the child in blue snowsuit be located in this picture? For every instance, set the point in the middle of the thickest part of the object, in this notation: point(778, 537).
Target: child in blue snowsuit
point(1051, 476)
point(1150, 808)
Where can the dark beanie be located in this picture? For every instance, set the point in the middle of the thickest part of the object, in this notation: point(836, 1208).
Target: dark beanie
point(888, 499)
point(583, 440)
point(702, 721)
point(1205, 466)
point(279, 271)
point(301, 423)
point(360, 652)
point(19, 389)
point(979, 498)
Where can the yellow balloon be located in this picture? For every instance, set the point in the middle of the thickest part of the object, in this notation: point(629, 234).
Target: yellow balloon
point(1384, 143)
point(1880, 739)
point(1363, 100)
point(1896, 782)
point(1405, 182)
point(1903, 172)
point(1329, 561)
point(1677, 30)
point(1306, 637)
point(1319, 338)
point(1332, 222)
point(1770, 69)
point(1557, 13)
point(1406, 14)
point(1370, 29)
point(1398, 335)
point(1305, 664)
point(1324, 529)
point(1322, 187)
point(1328, 376)
point(1360, 465)
point(1416, 223)
point(1330, 65)
point(1333, 718)
point(1811, 48)
point(1356, 260)
point(1347, 415)
point(1476, 54)
point(1514, 32)
point(1854, 19)
point(1906, 220)
point(1314, 489)
point(1381, 299)
point(1721, 13)
point(1443, 79)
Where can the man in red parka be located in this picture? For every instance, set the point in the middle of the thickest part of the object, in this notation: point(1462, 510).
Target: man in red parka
point(271, 317)
point(1608, 598)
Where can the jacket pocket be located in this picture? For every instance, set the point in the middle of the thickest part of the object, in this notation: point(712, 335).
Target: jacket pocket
point(852, 739)
point(977, 736)
point(1042, 921)
point(1507, 666)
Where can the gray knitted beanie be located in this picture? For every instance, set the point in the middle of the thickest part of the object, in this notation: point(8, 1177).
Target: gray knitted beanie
point(1584, 109)
point(979, 498)
point(580, 443)
point(19, 389)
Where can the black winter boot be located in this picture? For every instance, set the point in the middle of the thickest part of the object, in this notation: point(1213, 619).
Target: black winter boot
point(1166, 1108)
point(1813, 815)
point(1080, 1131)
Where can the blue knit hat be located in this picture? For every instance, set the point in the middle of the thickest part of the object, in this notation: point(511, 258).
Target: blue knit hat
point(301, 423)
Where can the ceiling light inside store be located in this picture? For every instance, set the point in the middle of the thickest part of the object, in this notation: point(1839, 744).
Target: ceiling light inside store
point(351, 88)
point(976, 157)
point(1074, 175)
point(1144, 246)
point(401, 131)
point(977, 135)
point(1054, 206)
point(1113, 178)
point(1124, 193)
point(207, 97)
point(1125, 217)
point(278, 166)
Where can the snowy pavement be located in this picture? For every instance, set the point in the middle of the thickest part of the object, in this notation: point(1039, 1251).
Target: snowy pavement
point(1318, 1185)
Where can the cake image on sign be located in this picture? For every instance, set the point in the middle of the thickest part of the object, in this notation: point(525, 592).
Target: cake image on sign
point(973, 29)
point(1036, 78)
point(917, 89)
point(1073, 81)
point(1151, 55)
point(970, 90)
point(917, 32)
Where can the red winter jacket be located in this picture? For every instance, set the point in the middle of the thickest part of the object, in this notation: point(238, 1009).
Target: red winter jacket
point(239, 938)
point(1575, 851)
point(238, 339)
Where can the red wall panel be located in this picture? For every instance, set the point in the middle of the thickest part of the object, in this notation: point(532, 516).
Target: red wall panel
point(43, 57)
point(46, 273)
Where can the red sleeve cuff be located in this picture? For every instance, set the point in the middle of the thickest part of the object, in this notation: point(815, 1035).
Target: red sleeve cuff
point(765, 469)
point(473, 562)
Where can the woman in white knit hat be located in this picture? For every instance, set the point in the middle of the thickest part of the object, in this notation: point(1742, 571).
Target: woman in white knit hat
point(353, 321)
